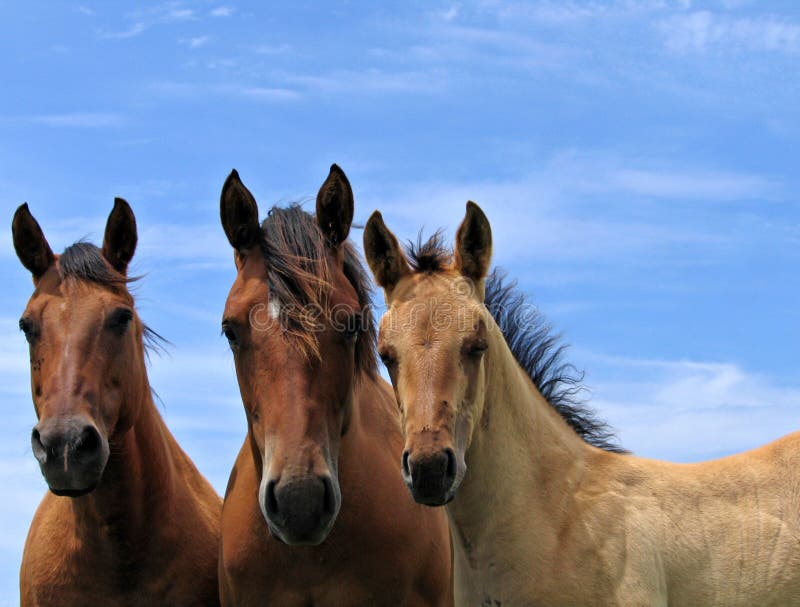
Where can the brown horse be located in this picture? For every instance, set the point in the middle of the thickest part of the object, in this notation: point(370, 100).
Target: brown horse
point(545, 510)
point(129, 520)
point(316, 512)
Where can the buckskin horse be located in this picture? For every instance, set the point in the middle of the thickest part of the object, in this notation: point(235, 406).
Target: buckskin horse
point(543, 508)
point(316, 512)
point(128, 521)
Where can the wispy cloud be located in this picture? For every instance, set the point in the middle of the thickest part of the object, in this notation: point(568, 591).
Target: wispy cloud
point(142, 20)
point(222, 11)
point(196, 41)
point(705, 31)
point(271, 49)
point(370, 81)
point(131, 31)
point(691, 185)
point(581, 206)
point(700, 409)
point(85, 10)
point(254, 93)
point(79, 120)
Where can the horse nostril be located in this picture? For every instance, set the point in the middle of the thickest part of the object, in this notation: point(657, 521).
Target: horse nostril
point(406, 469)
point(88, 441)
point(39, 450)
point(272, 502)
point(450, 472)
point(329, 499)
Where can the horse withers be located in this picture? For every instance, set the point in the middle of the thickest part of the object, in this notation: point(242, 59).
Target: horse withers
point(128, 520)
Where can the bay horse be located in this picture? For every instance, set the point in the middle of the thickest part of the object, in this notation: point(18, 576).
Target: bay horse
point(316, 512)
point(544, 507)
point(128, 520)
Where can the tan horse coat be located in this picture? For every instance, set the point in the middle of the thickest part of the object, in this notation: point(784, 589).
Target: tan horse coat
point(538, 516)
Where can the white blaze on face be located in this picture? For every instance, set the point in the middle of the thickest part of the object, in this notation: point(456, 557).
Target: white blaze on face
point(274, 308)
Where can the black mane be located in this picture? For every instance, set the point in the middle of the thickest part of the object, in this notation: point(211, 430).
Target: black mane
point(539, 353)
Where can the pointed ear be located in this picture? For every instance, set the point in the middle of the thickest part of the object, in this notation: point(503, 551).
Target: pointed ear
point(335, 207)
point(30, 243)
point(238, 212)
point(119, 242)
point(383, 253)
point(474, 244)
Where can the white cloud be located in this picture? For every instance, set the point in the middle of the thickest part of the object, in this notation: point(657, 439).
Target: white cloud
point(254, 93)
point(272, 49)
point(691, 185)
point(690, 410)
point(79, 119)
point(85, 10)
point(568, 208)
point(222, 11)
point(197, 41)
point(132, 31)
point(369, 81)
point(704, 31)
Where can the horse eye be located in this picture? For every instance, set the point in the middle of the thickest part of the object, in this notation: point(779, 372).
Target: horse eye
point(230, 334)
point(351, 329)
point(120, 319)
point(28, 329)
point(387, 358)
point(478, 348)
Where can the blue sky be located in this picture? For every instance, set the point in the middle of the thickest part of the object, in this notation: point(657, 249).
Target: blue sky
point(637, 159)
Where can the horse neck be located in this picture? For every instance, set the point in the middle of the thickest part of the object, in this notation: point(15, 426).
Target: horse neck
point(138, 482)
point(523, 459)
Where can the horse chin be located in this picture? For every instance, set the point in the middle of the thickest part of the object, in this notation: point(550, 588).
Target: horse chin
point(73, 492)
point(290, 539)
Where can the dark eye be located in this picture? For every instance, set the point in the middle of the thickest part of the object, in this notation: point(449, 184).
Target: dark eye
point(351, 330)
point(230, 334)
point(387, 358)
point(119, 320)
point(478, 348)
point(28, 328)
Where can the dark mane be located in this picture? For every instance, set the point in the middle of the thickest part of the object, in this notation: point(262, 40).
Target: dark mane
point(430, 256)
point(84, 261)
point(539, 353)
point(299, 275)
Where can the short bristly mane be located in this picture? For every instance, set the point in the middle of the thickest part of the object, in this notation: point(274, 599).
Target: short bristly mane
point(430, 256)
point(84, 261)
point(534, 346)
point(299, 276)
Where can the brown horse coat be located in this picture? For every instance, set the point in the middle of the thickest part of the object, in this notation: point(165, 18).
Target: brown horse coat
point(316, 512)
point(129, 520)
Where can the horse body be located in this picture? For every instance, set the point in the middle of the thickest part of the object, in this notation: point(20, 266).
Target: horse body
point(540, 515)
point(390, 556)
point(129, 520)
point(543, 518)
point(316, 512)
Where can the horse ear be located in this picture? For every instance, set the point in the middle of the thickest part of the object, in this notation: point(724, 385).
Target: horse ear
point(383, 253)
point(335, 207)
point(238, 212)
point(30, 243)
point(119, 242)
point(474, 244)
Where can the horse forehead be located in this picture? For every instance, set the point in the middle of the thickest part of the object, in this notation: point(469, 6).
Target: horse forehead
point(434, 317)
point(246, 290)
